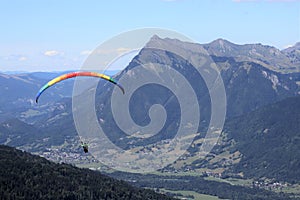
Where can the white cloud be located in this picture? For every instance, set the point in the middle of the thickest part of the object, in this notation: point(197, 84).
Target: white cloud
point(51, 53)
point(85, 52)
point(22, 58)
point(15, 57)
point(117, 51)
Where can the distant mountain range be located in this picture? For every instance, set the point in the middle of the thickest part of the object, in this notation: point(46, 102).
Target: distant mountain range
point(18, 93)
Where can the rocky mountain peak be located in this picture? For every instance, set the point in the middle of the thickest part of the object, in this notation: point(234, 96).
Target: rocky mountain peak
point(221, 43)
point(292, 48)
point(293, 53)
point(171, 44)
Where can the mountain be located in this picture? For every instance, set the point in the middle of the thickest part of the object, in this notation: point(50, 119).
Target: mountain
point(261, 144)
point(18, 92)
point(248, 85)
point(14, 132)
point(249, 82)
point(264, 55)
point(293, 53)
point(20, 88)
point(25, 176)
point(18, 95)
point(268, 140)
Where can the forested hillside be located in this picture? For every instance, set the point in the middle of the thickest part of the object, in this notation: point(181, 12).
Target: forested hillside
point(25, 176)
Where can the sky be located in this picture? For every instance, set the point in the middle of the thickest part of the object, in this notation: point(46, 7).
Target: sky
point(58, 35)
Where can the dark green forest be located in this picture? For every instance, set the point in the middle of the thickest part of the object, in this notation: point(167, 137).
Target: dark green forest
point(269, 139)
point(25, 176)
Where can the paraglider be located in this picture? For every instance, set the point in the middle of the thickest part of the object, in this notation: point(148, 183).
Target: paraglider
point(85, 147)
point(75, 74)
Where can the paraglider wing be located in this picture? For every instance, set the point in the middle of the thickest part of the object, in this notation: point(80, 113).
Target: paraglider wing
point(74, 74)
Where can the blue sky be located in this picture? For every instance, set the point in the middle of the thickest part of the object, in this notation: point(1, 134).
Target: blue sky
point(55, 35)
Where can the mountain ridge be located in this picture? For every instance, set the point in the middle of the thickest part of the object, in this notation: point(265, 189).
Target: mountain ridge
point(265, 55)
